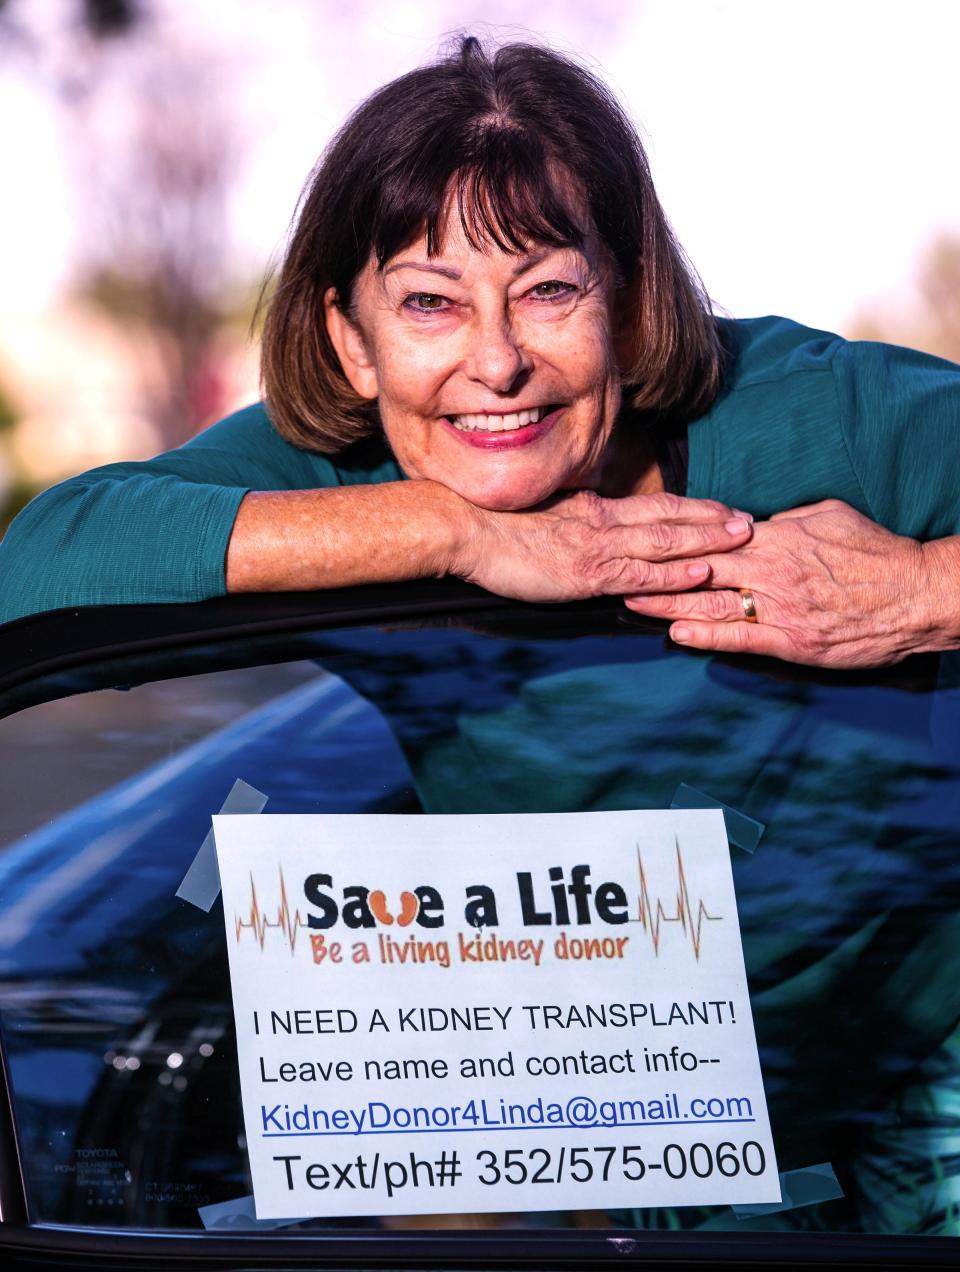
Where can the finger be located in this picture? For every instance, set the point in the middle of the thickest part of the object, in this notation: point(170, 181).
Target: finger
point(629, 576)
point(733, 570)
point(735, 638)
point(663, 506)
point(710, 607)
point(807, 510)
point(667, 540)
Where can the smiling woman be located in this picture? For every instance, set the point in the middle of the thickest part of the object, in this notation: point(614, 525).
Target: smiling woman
point(487, 356)
point(504, 388)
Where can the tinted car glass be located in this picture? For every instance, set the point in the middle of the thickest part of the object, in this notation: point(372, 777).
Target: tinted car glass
point(115, 1002)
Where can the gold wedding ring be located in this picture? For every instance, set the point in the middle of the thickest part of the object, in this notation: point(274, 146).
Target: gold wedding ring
point(749, 605)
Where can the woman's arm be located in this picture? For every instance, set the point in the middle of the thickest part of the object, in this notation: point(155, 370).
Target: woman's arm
point(832, 589)
point(116, 539)
point(239, 508)
point(579, 546)
point(151, 531)
point(834, 586)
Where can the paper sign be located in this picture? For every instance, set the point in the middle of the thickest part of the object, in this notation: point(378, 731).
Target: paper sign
point(498, 1013)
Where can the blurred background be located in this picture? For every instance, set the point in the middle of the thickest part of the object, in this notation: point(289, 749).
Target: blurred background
point(152, 153)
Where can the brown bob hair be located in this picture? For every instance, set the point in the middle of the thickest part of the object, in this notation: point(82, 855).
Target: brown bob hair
point(507, 131)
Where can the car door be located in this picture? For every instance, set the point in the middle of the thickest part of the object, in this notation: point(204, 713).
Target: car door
point(125, 730)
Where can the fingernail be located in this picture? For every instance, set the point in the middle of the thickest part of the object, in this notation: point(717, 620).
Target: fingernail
point(747, 516)
point(679, 633)
point(736, 526)
point(698, 570)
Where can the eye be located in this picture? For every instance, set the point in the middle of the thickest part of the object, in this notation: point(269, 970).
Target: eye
point(553, 289)
point(424, 302)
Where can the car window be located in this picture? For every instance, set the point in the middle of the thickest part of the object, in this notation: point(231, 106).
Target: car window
point(843, 806)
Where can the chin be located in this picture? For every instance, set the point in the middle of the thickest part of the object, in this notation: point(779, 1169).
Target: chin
point(502, 495)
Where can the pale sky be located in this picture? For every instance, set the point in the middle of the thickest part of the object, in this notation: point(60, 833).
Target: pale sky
point(804, 151)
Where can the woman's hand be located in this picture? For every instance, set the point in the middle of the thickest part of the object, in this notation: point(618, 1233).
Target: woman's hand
point(831, 589)
point(582, 545)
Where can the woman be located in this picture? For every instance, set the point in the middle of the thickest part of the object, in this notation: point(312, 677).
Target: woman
point(491, 323)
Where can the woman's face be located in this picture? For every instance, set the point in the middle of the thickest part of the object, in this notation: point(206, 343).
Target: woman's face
point(494, 372)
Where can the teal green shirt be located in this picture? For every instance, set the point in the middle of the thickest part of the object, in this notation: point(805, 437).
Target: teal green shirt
point(804, 416)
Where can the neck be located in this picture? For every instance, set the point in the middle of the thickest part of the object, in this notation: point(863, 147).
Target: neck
point(631, 468)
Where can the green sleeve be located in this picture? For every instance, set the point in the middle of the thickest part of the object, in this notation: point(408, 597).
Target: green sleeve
point(155, 531)
point(773, 440)
point(807, 416)
point(900, 419)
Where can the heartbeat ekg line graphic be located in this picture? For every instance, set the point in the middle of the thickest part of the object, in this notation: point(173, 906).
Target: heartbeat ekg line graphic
point(653, 917)
point(258, 923)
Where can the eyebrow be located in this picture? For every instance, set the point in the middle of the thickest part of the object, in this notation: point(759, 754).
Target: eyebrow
point(527, 263)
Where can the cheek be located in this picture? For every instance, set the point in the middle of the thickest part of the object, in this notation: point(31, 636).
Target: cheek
point(584, 354)
point(407, 424)
point(409, 374)
point(405, 437)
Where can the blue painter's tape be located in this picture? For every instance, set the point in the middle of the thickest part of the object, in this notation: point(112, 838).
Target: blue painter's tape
point(804, 1187)
point(742, 831)
point(238, 1215)
point(201, 883)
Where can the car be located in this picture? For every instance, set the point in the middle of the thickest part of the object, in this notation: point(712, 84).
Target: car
point(123, 729)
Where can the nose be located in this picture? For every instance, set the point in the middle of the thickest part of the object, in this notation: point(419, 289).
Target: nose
point(497, 356)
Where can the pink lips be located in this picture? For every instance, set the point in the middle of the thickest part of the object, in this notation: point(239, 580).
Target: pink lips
point(480, 440)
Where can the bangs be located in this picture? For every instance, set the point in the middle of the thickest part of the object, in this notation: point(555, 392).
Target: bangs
point(509, 193)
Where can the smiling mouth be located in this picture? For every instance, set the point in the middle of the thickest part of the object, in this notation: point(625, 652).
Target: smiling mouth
point(478, 423)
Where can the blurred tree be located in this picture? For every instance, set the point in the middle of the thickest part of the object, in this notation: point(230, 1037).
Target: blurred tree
point(8, 414)
point(106, 18)
point(14, 490)
point(940, 287)
point(155, 210)
point(932, 323)
point(94, 19)
point(153, 145)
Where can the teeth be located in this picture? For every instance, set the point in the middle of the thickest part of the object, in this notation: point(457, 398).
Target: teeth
point(498, 423)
